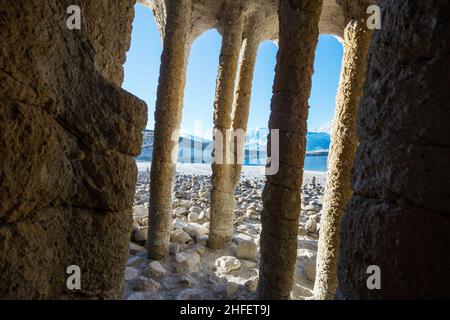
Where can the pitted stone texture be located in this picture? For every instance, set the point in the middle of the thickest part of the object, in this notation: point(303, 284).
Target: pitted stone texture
point(67, 136)
point(342, 153)
point(206, 15)
point(398, 217)
point(282, 195)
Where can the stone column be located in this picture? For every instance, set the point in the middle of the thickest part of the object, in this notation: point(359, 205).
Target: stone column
point(396, 227)
point(342, 153)
point(243, 93)
point(167, 120)
point(222, 193)
point(298, 37)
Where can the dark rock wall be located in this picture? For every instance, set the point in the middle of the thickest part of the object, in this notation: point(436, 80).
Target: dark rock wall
point(399, 216)
point(67, 136)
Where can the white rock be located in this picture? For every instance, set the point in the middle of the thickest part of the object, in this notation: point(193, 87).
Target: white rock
point(207, 213)
point(135, 248)
point(174, 247)
point(179, 224)
point(308, 258)
point(187, 262)
point(130, 273)
point(195, 229)
point(179, 211)
point(250, 213)
point(311, 226)
point(180, 236)
point(195, 209)
point(156, 270)
point(312, 207)
point(140, 237)
point(226, 264)
point(203, 217)
point(206, 225)
point(193, 216)
point(135, 227)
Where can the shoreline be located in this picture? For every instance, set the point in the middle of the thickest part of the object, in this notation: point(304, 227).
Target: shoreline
point(247, 171)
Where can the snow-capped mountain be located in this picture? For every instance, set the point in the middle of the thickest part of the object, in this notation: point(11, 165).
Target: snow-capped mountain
point(198, 150)
point(326, 128)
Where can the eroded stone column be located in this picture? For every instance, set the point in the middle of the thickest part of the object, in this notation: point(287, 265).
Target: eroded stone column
point(243, 94)
point(396, 225)
point(222, 193)
point(167, 121)
point(342, 153)
point(299, 33)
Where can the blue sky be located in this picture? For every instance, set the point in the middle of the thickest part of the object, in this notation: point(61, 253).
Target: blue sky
point(142, 72)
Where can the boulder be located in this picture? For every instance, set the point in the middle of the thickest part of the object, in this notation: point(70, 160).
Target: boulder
point(180, 236)
point(156, 270)
point(311, 226)
point(195, 229)
point(193, 217)
point(141, 236)
point(130, 273)
point(187, 262)
point(190, 294)
point(145, 284)
point(307, 259)
point(226, 264)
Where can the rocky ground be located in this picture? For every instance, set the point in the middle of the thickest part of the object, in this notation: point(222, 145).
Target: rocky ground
point(193, 271)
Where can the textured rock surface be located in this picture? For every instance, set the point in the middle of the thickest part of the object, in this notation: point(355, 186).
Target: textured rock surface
point(223, 187)
point(205, 15)
point(289, 113)
point(167, 120)
point(67, 136)
point(398, 217)
point(342, 153)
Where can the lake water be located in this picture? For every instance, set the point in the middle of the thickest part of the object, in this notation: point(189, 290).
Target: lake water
point(316, 163)
point(312, 163)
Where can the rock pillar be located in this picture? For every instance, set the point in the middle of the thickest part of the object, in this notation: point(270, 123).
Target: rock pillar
point(342, 153)
point(395, 234)
point(222, 192)
point(167, 121)
point(68, 135)
point(298, 37)
point(243, 94)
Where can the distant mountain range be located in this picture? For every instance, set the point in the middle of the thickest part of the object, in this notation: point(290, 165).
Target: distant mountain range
point(326, 128)
point(198, 150)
